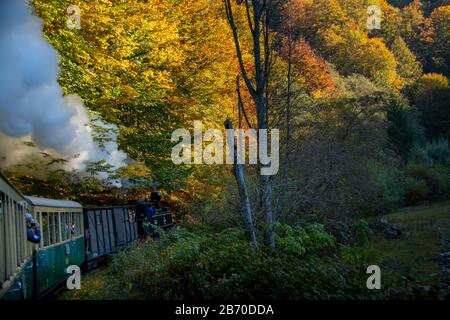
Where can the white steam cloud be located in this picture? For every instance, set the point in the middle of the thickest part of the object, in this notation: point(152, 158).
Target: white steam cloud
point(32, 103)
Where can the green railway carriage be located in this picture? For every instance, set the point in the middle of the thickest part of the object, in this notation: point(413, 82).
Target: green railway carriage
point(70, 235)
point(30, 270)
point(62, 241)
point(15, 251)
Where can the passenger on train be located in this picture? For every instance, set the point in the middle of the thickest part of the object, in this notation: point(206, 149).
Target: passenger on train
point(155, 197)
point(33, 231)
point(149, 211)
point(72, 229)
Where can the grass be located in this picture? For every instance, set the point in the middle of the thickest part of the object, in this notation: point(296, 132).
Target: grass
point(94, 285)
point(412, 257)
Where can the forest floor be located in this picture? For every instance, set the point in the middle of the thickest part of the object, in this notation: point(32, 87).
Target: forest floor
point(414, 265)
point(419, 260)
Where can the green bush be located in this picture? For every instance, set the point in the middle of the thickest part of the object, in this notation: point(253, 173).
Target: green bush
point(436, 178)
point(439, 152)
point(307, 264)
point(416, 190)
point(435, 153)
point(362, 232)
point(299, 241)
point(427, 174)
point(419, 154)
point(391, 191)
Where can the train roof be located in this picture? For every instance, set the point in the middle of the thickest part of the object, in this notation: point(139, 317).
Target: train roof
point(4, 178)
point(44, 202)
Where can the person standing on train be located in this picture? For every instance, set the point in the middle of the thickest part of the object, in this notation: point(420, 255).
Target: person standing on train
point(149, 211)
point(155, 197)
point(33, 231)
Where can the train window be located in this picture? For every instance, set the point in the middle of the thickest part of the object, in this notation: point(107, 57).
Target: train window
point(2, 241)
point(57, 228)
point(56, 236)
point(51, 228)
point(71, 225)
point(22, 232)
point(80, 223)
point(18, 231)
point(64, 226)
point(14, 234)
point(77, 223)
point(45, 229)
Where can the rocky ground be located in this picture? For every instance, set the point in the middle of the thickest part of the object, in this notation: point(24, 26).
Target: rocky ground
point(412, 247)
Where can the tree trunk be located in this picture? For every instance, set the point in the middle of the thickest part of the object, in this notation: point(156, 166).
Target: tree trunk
point(246, 208)
point(288, 102)
point(269, 231)
point(258, 16)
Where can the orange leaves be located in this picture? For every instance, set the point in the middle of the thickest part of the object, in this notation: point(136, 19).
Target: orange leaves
point(312, 70)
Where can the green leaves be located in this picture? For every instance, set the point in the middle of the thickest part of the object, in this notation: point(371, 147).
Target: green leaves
point(205, 265)
point(296, 240)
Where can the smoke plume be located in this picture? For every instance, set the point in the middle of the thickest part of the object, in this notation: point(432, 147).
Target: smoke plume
point(32, 104)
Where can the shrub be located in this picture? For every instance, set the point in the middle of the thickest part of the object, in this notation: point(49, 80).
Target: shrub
point(435, 178)
point(390, 186)
point(416, 190)
point(307, 264)
point(298, 241)
point(439, 152)
point(362, 232)
point(418, 155)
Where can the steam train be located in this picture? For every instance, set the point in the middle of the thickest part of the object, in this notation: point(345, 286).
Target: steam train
point(70, 235)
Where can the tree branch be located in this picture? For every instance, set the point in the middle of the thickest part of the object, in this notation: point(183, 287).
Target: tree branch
point(241, 104)
point(232, 23)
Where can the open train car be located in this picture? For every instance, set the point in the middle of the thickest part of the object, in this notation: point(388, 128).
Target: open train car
point(62, 241)
point(16, 253)
point(70, 235)
point(30, 270)
point(107, 230)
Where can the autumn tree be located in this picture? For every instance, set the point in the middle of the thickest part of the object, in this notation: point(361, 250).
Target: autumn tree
point(337, 30)
point(431, 100)
point(403, 132)
point(416, 30)
point(148, 68)
point(408, 67)
point(311, 69)
point(440, 49)
point(257, 80)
